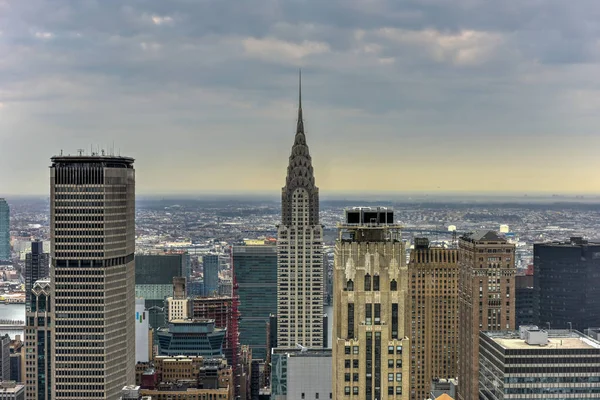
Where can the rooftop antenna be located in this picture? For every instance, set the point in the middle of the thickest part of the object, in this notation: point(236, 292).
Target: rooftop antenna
point(61, 152)
point(80, 151)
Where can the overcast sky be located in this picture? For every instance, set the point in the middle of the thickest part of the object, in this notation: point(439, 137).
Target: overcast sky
point(418, 95)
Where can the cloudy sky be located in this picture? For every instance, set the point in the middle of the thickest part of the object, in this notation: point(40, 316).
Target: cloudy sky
point(417, 95)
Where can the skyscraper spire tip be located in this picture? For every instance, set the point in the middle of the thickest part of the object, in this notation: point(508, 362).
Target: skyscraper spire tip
point(300, 127)
point(300, 87)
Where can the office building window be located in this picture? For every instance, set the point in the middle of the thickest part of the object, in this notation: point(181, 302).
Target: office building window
point(350, 320)
point(394, 320)
point(367, 282)
point(376, 283)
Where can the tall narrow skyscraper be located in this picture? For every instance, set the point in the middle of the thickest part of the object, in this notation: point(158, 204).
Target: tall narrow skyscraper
point(486, 300)
point(38, 342)
point(371, 352)
point(92, 227)
point(433, 316)
point(255, 268)
point(4, 230)
point(210, 266)
point(37, 266)
point(300, 251)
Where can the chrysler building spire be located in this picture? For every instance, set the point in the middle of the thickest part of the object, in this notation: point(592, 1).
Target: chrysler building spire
point(300, 174)
point(300, 250)
point(300, 126)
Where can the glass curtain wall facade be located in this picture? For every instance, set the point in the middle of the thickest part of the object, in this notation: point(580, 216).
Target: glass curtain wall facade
point(255, 268)
point(210, 265)
point(4, 230)
point(567, 284)
point(37, 266)
point(154, 275)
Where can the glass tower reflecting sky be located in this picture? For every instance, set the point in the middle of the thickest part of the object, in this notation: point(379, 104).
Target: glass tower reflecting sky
point(4, 230)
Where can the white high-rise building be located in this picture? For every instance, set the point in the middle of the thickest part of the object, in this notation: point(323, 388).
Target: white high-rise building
point(92, 228)
point(142, 353)
point(300, 252)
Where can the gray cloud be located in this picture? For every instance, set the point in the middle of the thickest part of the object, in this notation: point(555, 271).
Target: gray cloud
point(203, 75)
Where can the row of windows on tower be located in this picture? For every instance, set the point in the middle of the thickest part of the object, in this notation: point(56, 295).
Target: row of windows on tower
point(371, 284)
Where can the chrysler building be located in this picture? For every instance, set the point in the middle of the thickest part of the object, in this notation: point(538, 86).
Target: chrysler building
point(300, 251)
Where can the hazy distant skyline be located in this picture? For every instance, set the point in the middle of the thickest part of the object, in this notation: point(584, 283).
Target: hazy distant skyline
point(415, 96)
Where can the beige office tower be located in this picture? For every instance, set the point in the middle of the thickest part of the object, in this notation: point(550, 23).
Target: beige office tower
point(370, 349)
point(300, 252)
point(433, 316)
point(92, 228)
point(486, 292)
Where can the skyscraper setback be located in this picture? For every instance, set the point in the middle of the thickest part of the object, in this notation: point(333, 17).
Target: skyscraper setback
point(92, 211)
point(300, 251)
point(4, 230)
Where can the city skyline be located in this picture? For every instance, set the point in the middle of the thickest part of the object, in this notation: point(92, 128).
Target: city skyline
point(441, 92)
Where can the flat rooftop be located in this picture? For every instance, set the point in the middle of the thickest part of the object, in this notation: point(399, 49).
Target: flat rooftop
point(553, 343)
point(557, 339)
point(295, 352)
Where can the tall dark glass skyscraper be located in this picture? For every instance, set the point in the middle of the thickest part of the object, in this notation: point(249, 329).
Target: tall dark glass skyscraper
point(37, 266)
point(92, 211)
point(255, 268)
point(210, 267)
point(567, 283)
point(300, 251)
point(4, 230)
